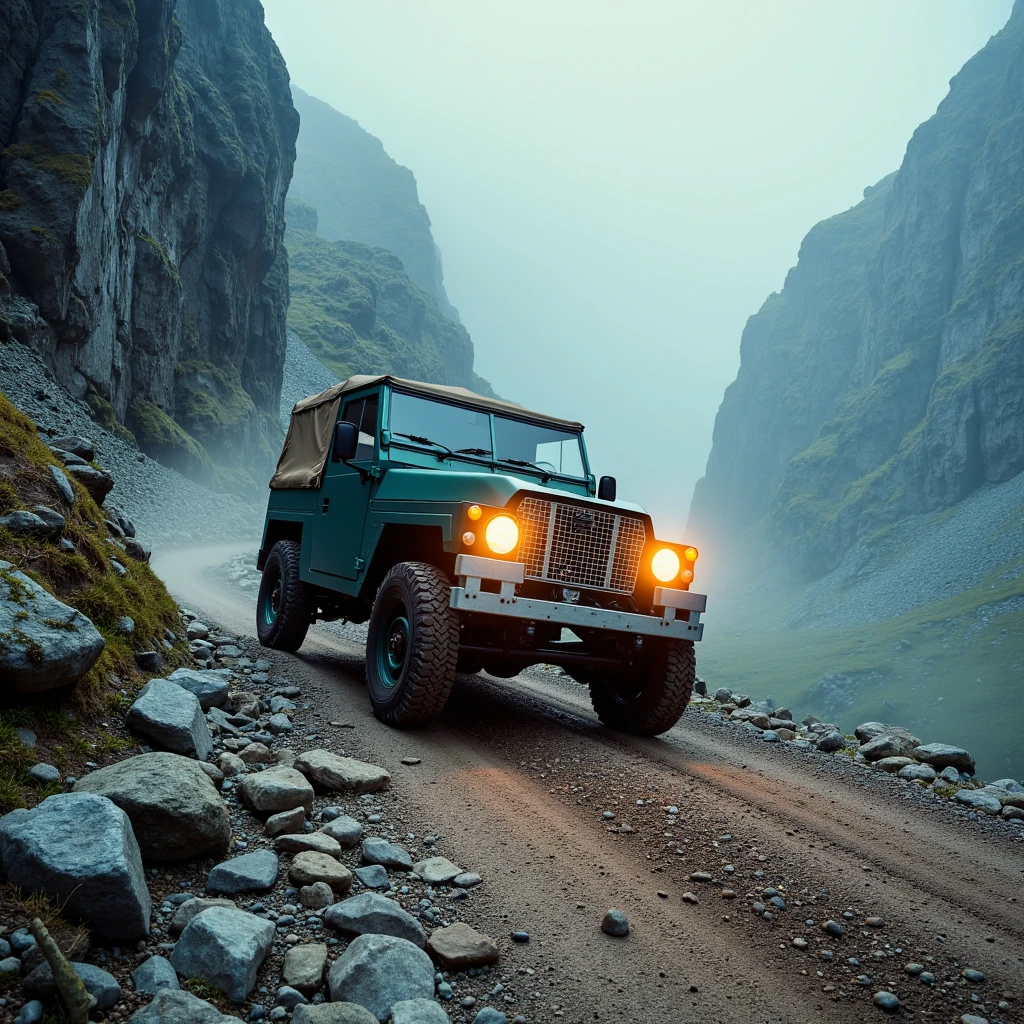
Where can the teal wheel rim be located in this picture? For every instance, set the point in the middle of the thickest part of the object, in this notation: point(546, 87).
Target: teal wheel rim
point(272, 602)
point(393, 648)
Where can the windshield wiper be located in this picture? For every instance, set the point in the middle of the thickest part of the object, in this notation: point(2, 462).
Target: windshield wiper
point(545, 476)
point(445, 450)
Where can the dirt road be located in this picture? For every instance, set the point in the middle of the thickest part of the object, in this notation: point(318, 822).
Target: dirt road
point(517, 774)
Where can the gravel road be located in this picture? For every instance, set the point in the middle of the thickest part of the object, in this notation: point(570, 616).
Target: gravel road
point(518, 774)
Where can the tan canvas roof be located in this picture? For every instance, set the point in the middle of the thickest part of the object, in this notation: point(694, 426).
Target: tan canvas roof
point(308, 440)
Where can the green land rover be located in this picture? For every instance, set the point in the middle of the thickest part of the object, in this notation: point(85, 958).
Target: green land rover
point(471, 534)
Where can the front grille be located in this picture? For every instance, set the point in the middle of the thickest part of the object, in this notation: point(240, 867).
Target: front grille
point(580, 546)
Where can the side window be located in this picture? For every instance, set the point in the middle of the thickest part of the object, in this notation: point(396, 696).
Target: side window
point(363, 413)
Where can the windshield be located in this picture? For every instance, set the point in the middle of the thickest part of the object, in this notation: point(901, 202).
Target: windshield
point(446, 430)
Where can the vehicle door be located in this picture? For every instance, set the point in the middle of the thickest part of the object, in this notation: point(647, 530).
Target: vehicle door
point(345, 497)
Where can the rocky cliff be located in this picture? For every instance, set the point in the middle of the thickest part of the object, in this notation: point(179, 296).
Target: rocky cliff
point(148, 147)
point(886, 379)
point(363, 195)
point(358, 311)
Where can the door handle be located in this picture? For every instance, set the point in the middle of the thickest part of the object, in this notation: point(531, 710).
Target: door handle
point(325, 506)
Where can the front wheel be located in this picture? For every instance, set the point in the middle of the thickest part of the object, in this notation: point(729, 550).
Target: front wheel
point(285, 604)
point(412, 646)
point(649, 697)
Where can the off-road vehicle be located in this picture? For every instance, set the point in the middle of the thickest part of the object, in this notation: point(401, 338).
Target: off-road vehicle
point(471, 534)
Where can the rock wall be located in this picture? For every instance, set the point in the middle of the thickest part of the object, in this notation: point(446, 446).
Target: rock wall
point(148, 147)
point(887, 377)
point(363, 195)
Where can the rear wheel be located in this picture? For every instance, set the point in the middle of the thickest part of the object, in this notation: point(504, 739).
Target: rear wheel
point(649, 697)
point(285, 603)
point(412, 647)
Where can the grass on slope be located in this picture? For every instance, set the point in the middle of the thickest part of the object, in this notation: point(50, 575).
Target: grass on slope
point(68, 721)
point(952, 672)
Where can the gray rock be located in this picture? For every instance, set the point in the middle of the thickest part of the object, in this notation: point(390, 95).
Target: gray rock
point(79, 849)
point(26, 737)
point(126, 625)
point(756, 718)
point(281, 704)
point(347, 831)
point(615, 923)
point(194, 906)
point(371, 913)
point(315, 841)
point(373, 876)
point(209, 686)
point(950, 775)
point(377, 971)
point(309, 867)
point(979, 801)
point(489, 1015)
point(276, 789)
point(76, 445)
point(95, 481)
point(225, 948)
point(1008, 786)
point(154, 974)
point(304, 965)
point(279, 724)
point(10, 967)
point(467, 879)
point(23, 522)
point(289, 997)
point(333, 1013)
point(723, 694)
point(47, 643)
point(284, 822)
point(316, 896)
point(39, 984)
point(942, 755)
point(390, 855)
point(868, 731)
point(30, 1013)
point(172, 1006)
point(172, 717)
point(830, 742)
point(418, 1011)
point(251, 872)
point(437, 870)
point(895, 764)
point(43, 773)
point(458, 947)
point(334, 772)
point(900, 744)
point(174, 807)
point(60, 478)
point(917, 773)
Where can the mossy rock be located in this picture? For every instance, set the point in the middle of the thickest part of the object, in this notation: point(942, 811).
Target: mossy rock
point(160, 437)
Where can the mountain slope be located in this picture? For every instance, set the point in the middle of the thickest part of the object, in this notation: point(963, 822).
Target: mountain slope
point(363, 195)
point(887, 378)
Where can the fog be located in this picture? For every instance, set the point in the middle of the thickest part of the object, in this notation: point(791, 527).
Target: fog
point(615, 188)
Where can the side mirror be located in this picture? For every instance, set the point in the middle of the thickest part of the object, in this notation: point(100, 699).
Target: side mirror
point(605, 489)
point(346, 440)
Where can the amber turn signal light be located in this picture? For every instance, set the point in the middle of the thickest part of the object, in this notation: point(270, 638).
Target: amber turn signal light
point(691, 554)
point(475, 512)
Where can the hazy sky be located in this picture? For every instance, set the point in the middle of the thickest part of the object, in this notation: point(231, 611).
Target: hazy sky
point(615, 187)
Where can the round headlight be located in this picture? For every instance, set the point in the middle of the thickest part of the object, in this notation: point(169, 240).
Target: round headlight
point(502, 534)
point(665, 565)
point(691, 554)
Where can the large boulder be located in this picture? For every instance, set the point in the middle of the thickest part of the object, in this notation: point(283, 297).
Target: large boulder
point(898, 743)
point(378, 971)
point(868, 731)
point(252, 872)
point(172, 717)
point(225, 948)
point(942, 755)
point(39, 984)
point(172, 1006)
point(46, 643)
point(153, 975)
point(175, 810)
point(79, 849)
point(276, 789)
point(979, 801)
point(343, 774)
point(95, 481)
point(369, 913)
point(459, 947)
point(208, 685)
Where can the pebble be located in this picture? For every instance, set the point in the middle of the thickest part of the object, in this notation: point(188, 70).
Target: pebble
point(800, 943)
point(914, 969)
point(520, 936)
point(700, 876)
point(411, 760)
point(886, 1001)
point(615, 923)
point(972, 975)
point(833, 928)
point(688, 897)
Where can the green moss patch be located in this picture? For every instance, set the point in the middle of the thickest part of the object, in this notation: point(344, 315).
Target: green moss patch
point(159, 436)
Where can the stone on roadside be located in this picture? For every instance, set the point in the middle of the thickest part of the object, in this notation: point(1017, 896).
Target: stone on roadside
point(316, 896)
point(194, 906)
point(334, 772)
point(893, 764)
point(276, 789)
point(390, 855)
point(467, 879)
point(47, 643)
point(942, 755)
point(371, 913)
point(317, 842)
point(304, 966)
point(830, 742)
point(174, 1006)
point(284, 822)
point(489, 1015)
point(898, 743)
point(373, 876)
point(39, 984)
point(175, 810)
point(333, 1013)
point(459, 947)
point(615, 923)
point(43, 773)
point(917, 773)
point(978, 801)
point(224, 948)
point(437, 870)
point(258, 753)
point(172, 717)
point(209, 687)
point(308, 868)
point(79, 849)
point(886, 1001)
point(232, 765)
point(154, 974)
point(378, 971)
point(418, 1011)
point(347, 831)
point(251, 872)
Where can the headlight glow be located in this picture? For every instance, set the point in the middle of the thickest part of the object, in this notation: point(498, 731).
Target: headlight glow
point(665, 565)
point(475, 512)
point(502, 534)
point(690, 554)
point(469, 538)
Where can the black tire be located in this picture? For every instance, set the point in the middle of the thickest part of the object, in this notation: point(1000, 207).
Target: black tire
point(649, 698)
point(285, 604)
point(412, 647)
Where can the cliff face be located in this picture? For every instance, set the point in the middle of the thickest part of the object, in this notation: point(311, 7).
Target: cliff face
point(148, 147)
point(359, 312)
point(887, 378)
point(362, 195)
